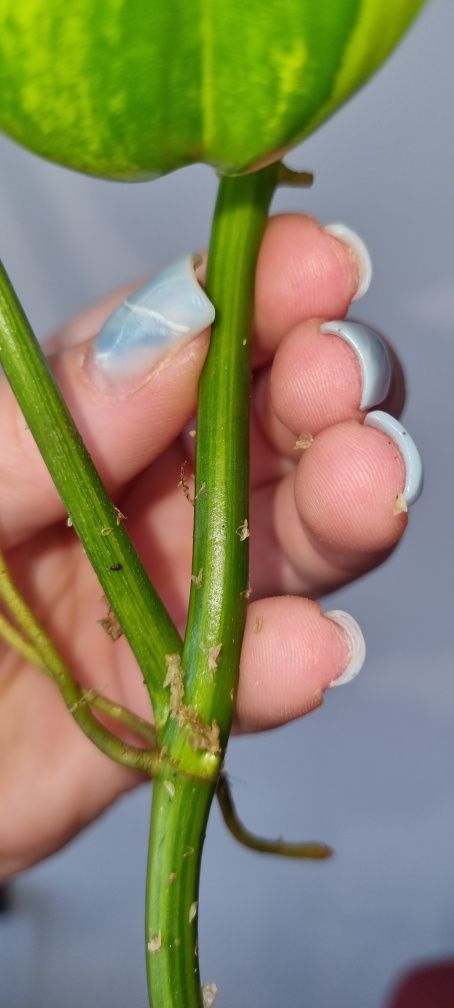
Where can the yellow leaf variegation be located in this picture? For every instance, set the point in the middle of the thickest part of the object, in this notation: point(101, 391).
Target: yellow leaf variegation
point(129, 89)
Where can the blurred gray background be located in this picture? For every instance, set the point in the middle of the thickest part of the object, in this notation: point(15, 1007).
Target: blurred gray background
point(372, 771)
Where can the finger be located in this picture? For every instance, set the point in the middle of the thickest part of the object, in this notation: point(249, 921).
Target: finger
point(336, 517)
point(322, 373)
point(130, 396)
point(427, 986)
point(303, 271)
point(130, 392)
point(73, 781)
point(291, 655)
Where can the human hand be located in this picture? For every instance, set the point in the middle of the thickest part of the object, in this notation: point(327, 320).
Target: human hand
point(318, 519)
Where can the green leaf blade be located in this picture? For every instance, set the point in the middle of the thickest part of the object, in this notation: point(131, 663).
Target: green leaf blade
point(125, 89)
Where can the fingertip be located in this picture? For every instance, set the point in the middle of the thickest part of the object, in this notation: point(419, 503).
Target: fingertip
point(345, 490)
point(291, 654)
point(303, 272)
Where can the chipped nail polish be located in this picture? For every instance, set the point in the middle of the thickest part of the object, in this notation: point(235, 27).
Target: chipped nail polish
point(373, 358)
point(360, 252)
point(157, 319)
point(356, 646)
point(410, 454)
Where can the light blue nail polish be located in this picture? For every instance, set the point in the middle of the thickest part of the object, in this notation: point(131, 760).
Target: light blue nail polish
point(372, 355)
point(158, 318)
point(410, 454)
point(360, 252)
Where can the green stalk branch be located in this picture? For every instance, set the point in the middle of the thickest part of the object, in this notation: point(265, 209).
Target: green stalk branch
point(142, 615)
point(40, 650)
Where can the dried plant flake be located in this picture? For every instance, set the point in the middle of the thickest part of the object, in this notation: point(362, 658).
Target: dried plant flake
point(243, 530)
point(111, 625)
point(192, 911)
point(258, 624)
point(154, 945)
point(212, 654)
point(400, 505)
point(209, 994)
point(183, 483)
point(303, 442)
point(170, 788)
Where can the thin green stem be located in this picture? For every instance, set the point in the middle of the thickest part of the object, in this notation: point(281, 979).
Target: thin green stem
point(312, 851)
point(202, 688)
point(41, 651)
point(142, 616)
point(94, 700)
point(219, 588)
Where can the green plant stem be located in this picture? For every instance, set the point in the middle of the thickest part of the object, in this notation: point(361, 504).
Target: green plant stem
point(180, 812)
point(131, 595)
point(41, 651)
point(92, 698)
point(211, 653)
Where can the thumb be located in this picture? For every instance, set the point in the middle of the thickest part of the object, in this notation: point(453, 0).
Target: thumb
point(130, 390)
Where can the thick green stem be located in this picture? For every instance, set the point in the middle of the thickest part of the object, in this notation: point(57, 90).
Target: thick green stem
point(180, 812)
point(202, 690)
point(140, 611)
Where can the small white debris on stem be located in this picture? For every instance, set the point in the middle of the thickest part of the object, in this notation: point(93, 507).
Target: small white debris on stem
point(209, 995)
point(192, 433)
point(174, 679)
point(192, 911)
point(243, 530)
point(69, 522)
point(197, 578)
point(155, 943)
point(212, 654)
point(170, 788)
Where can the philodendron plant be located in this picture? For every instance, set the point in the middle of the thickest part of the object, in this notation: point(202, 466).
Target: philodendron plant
point(128, 90)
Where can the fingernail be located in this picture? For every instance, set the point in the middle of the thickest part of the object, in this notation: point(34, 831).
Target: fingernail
point(373, 358)
point(356, 646)
point(360, 252)
point(157, 319)
point(410, 454)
